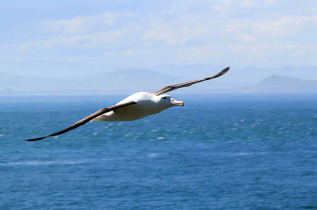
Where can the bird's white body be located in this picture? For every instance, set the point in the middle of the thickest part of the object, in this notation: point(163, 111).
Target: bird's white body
point(146, 104)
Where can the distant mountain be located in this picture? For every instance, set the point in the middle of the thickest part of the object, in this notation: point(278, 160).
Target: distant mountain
point(10, 83)
point(284, 84)
point(240, 76)
point(249, 79)
point(125, 81)
point(108, 82)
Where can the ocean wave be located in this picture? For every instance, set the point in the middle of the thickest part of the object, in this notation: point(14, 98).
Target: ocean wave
point(37, 163)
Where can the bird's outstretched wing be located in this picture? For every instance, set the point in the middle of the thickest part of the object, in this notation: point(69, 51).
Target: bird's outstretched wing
point(186, 84)
point(86, 119)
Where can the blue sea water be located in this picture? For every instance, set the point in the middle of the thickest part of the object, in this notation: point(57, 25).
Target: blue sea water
point(243, 151)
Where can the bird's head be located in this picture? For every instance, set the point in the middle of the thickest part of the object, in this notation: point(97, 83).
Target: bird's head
point(168, 101)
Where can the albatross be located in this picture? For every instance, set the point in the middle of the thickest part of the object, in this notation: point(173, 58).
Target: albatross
point(136, 106)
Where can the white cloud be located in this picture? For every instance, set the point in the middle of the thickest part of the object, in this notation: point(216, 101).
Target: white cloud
point(259, 3)
point(273, 55)
point(173, 35)
point(85, 24)
point(185, 31)
point(92, 40)
point(251, 30)
point(286, 25)
point(48, 43)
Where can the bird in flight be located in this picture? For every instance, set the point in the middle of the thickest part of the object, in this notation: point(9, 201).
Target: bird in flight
point(136, 106)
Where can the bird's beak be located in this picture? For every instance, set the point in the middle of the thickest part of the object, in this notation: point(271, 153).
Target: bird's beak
point(177, 103)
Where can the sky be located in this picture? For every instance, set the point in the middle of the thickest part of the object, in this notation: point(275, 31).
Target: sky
point(57, 36)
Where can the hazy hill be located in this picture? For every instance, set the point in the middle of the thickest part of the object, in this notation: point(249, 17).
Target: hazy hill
point(131, 80)
point(246, 76)
point(125, 81)
point(119, 81)
point(284, 84)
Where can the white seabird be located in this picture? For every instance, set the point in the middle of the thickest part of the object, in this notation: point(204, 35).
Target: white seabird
point(136, 106)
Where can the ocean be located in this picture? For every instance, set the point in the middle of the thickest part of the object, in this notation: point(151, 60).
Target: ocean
point(219, 151)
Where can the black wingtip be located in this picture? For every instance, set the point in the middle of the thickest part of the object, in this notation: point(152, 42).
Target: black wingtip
point(225, 70)
point(36, 139)
point(30, 140)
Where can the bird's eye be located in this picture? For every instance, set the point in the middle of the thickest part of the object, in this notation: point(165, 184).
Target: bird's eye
point(164, 97)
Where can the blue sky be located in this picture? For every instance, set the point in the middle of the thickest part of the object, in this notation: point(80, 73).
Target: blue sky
point(143, 34)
